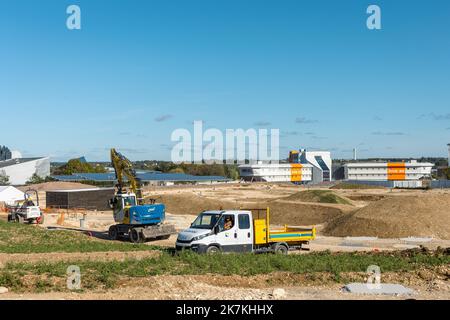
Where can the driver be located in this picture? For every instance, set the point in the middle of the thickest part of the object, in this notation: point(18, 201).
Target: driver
point(228, 223)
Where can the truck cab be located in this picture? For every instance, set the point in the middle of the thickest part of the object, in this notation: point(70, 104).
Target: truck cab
point(241, 231)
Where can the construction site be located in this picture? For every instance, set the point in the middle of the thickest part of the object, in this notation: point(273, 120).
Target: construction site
point(263, 151)
point(406, 232)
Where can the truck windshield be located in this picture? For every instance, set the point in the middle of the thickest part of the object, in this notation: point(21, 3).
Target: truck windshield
point(206, 221)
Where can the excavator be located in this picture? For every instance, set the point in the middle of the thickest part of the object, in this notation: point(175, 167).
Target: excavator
point(134, 218)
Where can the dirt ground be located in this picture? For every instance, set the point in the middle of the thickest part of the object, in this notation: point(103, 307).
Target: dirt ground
point(383, 206)
point(393, 219)
point(217, 287)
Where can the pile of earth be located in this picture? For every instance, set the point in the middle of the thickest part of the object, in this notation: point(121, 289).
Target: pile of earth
point(425, 215)
point(282, 212)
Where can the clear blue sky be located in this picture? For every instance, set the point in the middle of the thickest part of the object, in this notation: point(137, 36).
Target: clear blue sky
point(137, 70)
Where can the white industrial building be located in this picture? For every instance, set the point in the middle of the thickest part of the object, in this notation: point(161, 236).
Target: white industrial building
point(281, 172)
point(304, 166)
point(321, 163)
point(387, 171)
point(19, 170)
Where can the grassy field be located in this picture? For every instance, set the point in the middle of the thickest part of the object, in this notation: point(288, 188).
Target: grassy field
point(23, 238)
point(48, 276)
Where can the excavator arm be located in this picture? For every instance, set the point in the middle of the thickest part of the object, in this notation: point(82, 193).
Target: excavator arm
point(124, 168)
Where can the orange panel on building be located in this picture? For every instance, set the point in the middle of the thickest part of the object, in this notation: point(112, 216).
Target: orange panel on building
point(396, 171)
point(296, 172)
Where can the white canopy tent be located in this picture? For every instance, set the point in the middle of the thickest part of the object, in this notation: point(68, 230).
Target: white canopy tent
point(9, 195)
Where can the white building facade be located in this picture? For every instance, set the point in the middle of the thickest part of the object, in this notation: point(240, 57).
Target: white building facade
point(20, 170)
point(282, 172)
point(321, 163)
point(387, 171)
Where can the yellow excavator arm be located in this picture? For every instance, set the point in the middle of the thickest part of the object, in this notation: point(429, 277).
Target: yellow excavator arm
point(124, 167)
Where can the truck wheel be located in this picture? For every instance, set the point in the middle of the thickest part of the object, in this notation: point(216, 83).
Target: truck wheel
point(280, 248)
point(19, 219)
point(136, 236)
point(113, 233)
point(212, 250)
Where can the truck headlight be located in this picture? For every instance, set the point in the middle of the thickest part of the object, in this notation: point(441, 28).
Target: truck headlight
point(200, 237)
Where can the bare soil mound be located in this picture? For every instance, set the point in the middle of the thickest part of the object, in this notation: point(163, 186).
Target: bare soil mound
point(301, 214)
point(424, 215)
point(281, 212)
point(56, 185)
point(185, 203)
point(320, 196)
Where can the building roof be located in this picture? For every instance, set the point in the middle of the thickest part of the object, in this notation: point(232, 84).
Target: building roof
point(147, 176)
point(82, 190)
point(11, 162)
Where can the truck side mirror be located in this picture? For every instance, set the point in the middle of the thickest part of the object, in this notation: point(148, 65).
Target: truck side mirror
point(216, 229)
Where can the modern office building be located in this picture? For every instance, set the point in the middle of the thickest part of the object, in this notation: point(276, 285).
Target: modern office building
point(387, 171)
point(321, 163)
point(303, 167)
point(272, 172)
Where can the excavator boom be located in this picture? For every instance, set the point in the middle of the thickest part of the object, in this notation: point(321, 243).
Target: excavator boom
point(124, 167)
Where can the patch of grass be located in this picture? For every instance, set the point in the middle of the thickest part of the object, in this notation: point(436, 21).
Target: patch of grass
point(105, 274)
point(22, 238)
point(346, 185)
point(320, 196)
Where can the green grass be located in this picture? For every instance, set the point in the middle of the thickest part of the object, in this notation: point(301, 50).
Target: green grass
point(346, 185)
point(23, 238)
point(320, 196)
point(99, 274)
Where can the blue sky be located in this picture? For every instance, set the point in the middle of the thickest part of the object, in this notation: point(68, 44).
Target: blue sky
point(137, 70)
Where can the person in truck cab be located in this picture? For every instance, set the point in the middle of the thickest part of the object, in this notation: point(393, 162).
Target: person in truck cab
point(228, 224)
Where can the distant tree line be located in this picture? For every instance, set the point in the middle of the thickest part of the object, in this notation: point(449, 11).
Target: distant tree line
point(77, 166)
point(217, 169)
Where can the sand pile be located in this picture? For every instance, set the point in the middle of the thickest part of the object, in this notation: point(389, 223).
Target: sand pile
point(424, 215)
point(188, 203)
point(300, 214)
point(282, 212)
point(56, 185)
point(319, 196)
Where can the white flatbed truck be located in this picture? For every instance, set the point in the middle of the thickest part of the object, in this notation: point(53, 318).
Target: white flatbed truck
point(249, 232)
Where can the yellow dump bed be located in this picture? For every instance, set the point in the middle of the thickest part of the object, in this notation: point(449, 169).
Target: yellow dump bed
point(289, 234)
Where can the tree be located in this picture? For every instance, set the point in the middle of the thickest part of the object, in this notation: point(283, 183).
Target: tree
point(77, 166)
point(4, 179)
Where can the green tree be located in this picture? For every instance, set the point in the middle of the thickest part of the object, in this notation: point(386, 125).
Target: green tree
point(4, 179)
point(77, 166)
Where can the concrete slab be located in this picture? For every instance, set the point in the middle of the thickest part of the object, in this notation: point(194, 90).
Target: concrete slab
point(361, 238)
point(380, 289)
point(416, 239)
